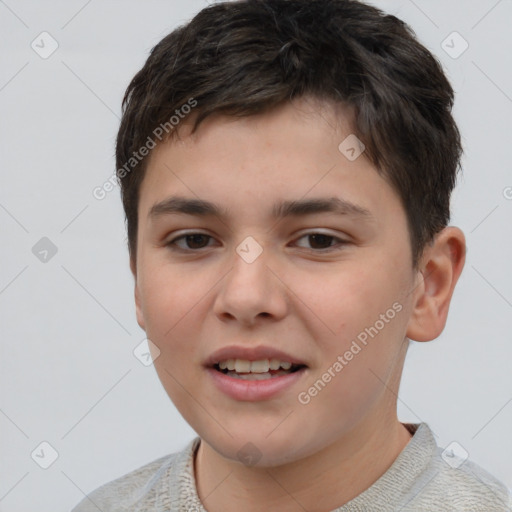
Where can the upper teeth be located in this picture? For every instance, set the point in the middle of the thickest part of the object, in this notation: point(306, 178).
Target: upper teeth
point(260, 366)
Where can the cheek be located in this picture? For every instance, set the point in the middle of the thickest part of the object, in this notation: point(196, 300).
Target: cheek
point(171, 302)
point(365, 311)
point(168, 297)
point(352, 299)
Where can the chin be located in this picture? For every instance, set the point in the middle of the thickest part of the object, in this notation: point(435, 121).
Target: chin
point(255, 448)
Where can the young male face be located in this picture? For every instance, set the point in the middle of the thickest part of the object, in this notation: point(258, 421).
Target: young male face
point(217, 291)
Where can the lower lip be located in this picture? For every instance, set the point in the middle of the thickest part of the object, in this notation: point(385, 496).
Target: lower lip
point(254, 390)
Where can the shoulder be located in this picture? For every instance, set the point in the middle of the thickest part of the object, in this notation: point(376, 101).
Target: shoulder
point(147, 488)
point(468, 486)
point(426, 478)
point(452, 483)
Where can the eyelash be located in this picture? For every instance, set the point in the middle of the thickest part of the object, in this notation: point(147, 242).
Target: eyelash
point(341, 242)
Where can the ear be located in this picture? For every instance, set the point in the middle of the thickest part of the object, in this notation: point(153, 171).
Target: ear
point(138, 307)
point(441, 265)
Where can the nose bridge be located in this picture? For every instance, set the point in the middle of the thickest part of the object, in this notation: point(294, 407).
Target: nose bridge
point(250, 288)
point(250, 268)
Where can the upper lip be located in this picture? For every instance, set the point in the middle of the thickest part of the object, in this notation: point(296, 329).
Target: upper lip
point(250, 354)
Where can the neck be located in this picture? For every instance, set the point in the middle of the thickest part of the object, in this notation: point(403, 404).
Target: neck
point(323, 481)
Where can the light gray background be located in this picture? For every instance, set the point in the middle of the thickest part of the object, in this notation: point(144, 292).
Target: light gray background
point(67, 370)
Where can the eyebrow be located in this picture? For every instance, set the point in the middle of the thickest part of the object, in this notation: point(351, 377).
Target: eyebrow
point(298, 208)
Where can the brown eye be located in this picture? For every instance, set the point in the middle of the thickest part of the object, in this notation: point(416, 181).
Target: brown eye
point(321, 242)
point(193, 241)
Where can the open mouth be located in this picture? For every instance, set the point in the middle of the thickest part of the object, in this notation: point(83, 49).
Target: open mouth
point(256, 370)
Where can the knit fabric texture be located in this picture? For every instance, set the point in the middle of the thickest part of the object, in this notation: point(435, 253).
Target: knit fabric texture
point(419, 480)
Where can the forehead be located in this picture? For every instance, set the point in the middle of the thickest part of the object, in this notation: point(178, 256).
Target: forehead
point(267, 162)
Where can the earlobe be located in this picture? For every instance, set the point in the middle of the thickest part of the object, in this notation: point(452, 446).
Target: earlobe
point(441, 266)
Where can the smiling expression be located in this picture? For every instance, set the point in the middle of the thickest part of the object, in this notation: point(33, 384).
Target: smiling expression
point(330, 253)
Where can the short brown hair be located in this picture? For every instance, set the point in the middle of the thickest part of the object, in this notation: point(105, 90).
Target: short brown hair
point(245, 57)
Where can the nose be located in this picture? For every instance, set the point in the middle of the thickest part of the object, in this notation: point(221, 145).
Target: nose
point(252, 291)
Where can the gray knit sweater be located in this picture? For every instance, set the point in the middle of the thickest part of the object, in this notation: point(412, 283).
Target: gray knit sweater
point(419, 480)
